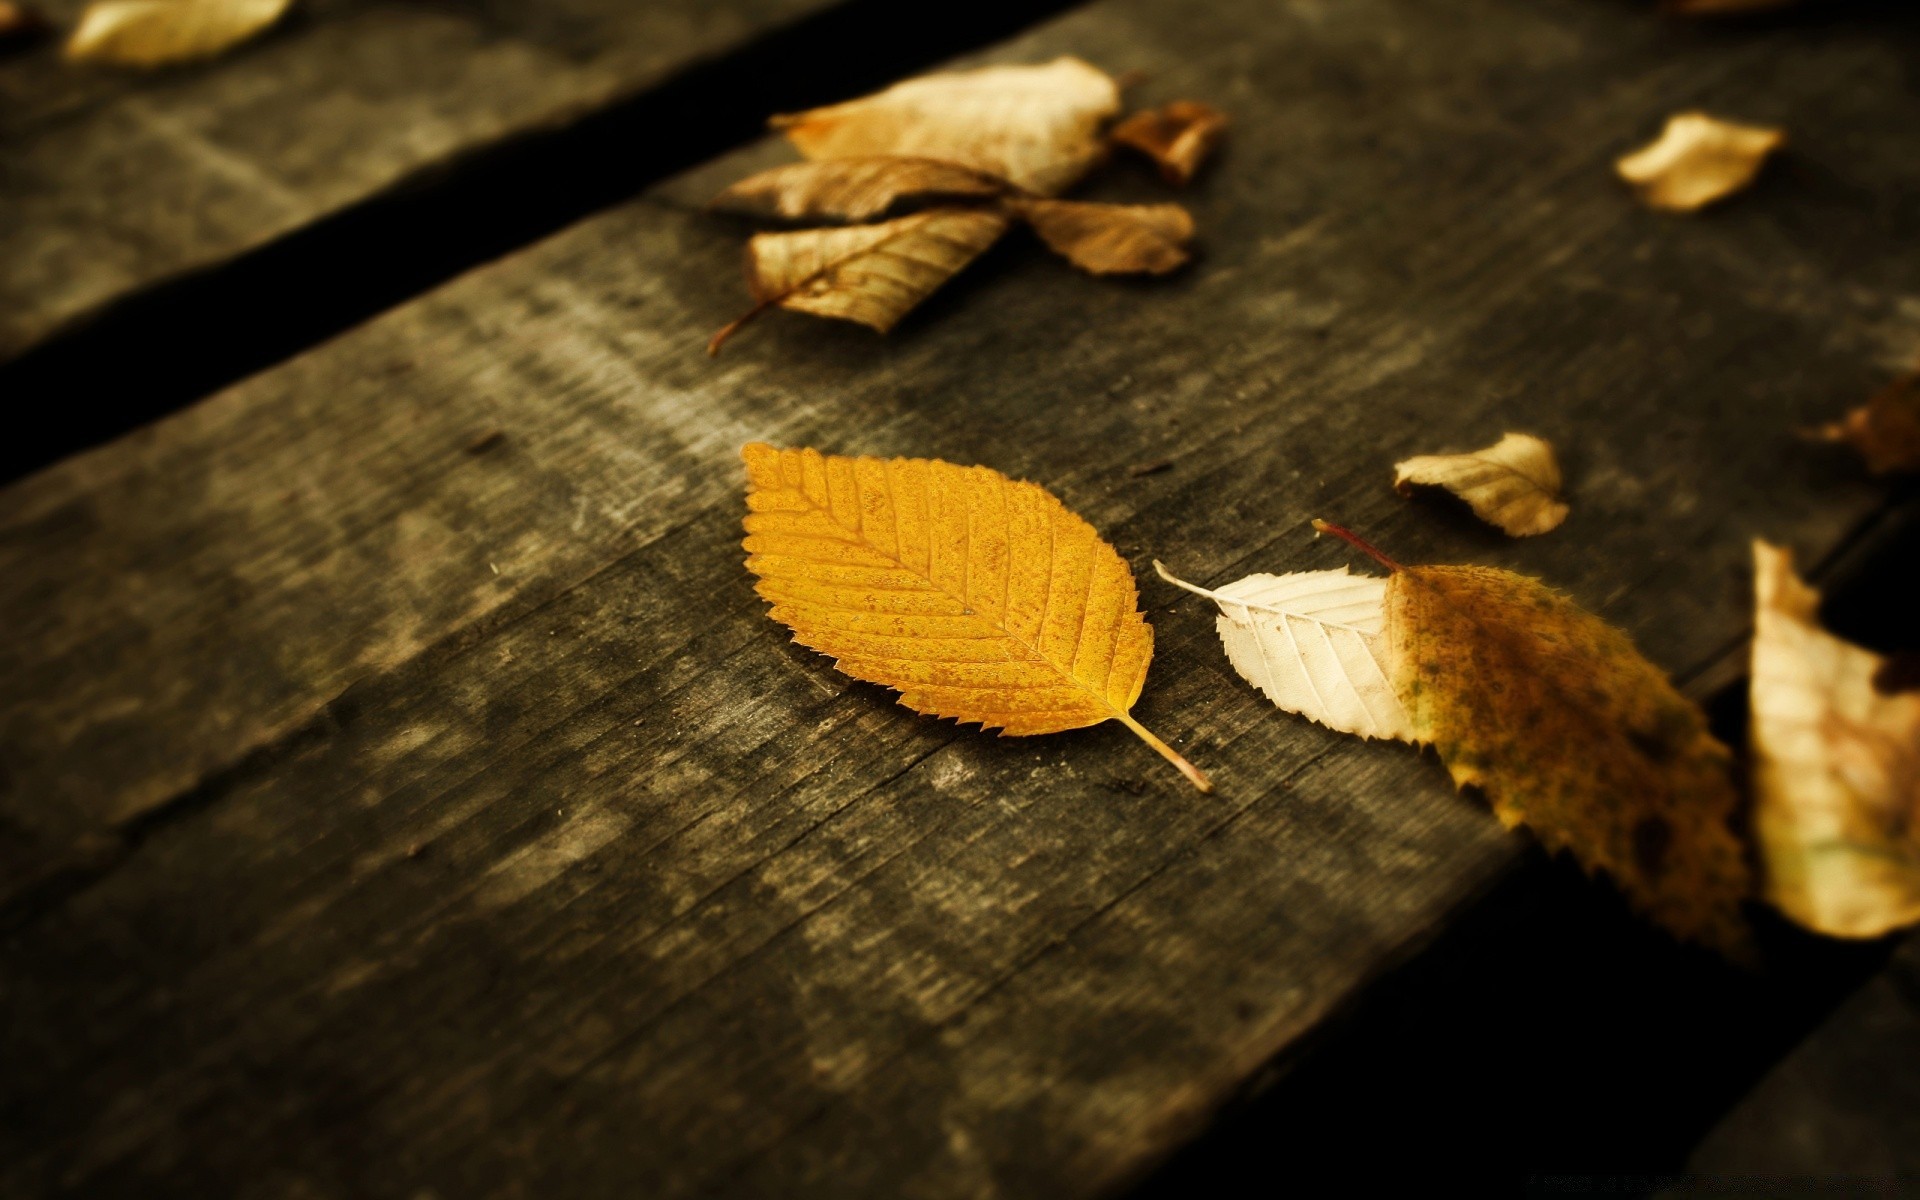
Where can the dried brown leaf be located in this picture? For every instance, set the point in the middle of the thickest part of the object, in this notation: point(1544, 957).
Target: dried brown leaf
point(1178, 137)
point(1568, 730)
point(1035, 126)
point(1112, 239)
point(1514, 484)
point(1697, 160)
point(976, 597)
point(1836, 768)
point(156, 33)
point(872, 274)
point(1885, 430)
point(854, 189)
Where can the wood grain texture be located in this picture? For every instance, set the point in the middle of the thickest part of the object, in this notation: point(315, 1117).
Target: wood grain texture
point(114, 180)
point(483, 837)
point(1845, 1105)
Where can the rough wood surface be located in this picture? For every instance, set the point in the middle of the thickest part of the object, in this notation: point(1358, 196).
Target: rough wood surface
point(112, 180)
point(437, 809)
point(1844, 1106)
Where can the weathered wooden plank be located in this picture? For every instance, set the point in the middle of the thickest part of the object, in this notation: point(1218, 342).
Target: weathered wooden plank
point(112, 181)
point(1845, 1105)
point(553, 879)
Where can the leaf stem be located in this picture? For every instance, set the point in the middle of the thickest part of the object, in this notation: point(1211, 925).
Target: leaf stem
point(732, 327)
point(1355, 540)
point(1193, 773)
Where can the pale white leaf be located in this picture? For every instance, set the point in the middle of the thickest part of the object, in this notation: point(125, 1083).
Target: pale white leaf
point(1312, 642)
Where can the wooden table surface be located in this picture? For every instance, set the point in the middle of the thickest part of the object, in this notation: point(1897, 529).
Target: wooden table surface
point(404, 792)
point(114, 180)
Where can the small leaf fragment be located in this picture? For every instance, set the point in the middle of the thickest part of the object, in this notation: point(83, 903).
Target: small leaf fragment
point(872, 274)
point(1112, 239)
point(1697, 160)
point(1720, 8)
point(1034, 126)
point(157, 33)
point(1178, 137)
point(1312, 642)
point(1514, 483)
point(1836, 768)
point(1885, 430)
point(854, 189)
point(975, 596)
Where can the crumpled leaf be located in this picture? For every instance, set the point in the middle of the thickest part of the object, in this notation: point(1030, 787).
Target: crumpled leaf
point(1037, 127)
point(1514, 483)
point(1178, 137)
point(1312, 642)
point(1836, 768)
point(1697, 160)
point(1112, 239)
point(873, 274)
point(1885, 430)
point(976, 597)
point(855, 189)
point(1568, 730)
point(156, 33)
point(18, 20)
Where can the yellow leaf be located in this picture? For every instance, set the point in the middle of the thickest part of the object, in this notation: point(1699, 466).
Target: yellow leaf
point(1037, 127)
point(976, 597)
point(1697, 160)
point(873, 274)
point(1836, 768)
point(1112, 239)
point(1312, 642)
point(1178, 137)
point(1554, 715)
point(854, 189)
point(1885, 430)
point(1514, 483)
point(155, 33)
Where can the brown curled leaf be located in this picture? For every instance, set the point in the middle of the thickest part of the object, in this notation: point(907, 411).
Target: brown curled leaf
point(158, 33)
point(872, 274)
point(855, 189)
point(1836, 768)
point(1698, 160)
point(1514, 484)
point(1038, 127)
point(1178, 137)
point(1885, 430)
point(1112, 239)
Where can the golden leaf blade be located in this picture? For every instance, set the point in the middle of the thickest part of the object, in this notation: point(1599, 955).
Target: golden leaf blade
point(975, 596)
point(1514, 484)
point(1563, 725)
point(156, 33)
point(872, 274)
point(854, 189)
point(1178, 137)
point(1035, 126)
point(1885, 430)
point(1836, 768)
point(1112, 239)
point(1697, 160)
point(1311, 641)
